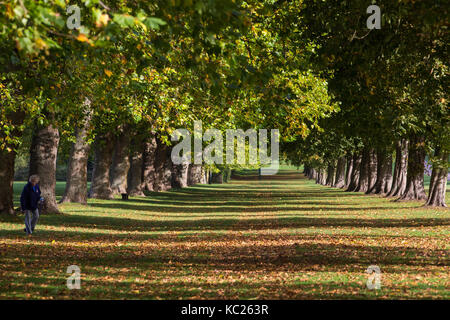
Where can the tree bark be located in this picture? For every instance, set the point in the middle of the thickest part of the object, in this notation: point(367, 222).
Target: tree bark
point(372, 169)
point(163, 167)
point(135, 183)
point(414, 183)
point(7, 159)
point(43, 153)
point(340, 173)
point(217, 178)
point(309, 173)
point(438, 183)
point(356, 173)
point(76, 181)
point(348, 174)
point(384, 173)
point(318, 177)
point(363, 183)
point(313, 173)
point(331, 173)
point(148, 171)
point(400, 169)
point(322, 177)
point(180, 176)
point(100, 185)
point(306, 170)
point(194, 174)
point(207, 174)
point(121, 163)
point(7, 177)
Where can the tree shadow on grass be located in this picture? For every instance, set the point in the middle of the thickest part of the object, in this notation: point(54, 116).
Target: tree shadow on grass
point(230, 201)
point(130, 225)
point(120, 287)
point(230, 209)
point(249, 257)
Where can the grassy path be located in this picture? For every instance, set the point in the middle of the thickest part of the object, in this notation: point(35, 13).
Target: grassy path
point(280, 238)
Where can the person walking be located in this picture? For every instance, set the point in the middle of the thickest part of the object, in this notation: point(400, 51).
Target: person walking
point(29, 202)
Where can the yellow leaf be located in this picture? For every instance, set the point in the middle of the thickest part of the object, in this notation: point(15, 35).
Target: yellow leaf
point(9, 11)
point(40, 44)
point(102, 20)
point(108, 73)
point(81, 37)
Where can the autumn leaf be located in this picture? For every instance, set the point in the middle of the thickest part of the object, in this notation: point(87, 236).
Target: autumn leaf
point(81, 37)
point(102, 20)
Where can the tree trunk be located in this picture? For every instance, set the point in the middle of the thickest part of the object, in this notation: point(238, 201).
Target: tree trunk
point(438, 183)
point(309, 173)
point(372, 169)
point(43, 153)
point(7, 159)
point(322, 177)
point(356, 173)
point(194, 174)
point(348, 174)
point(312, 173)
point(207, 175)
point(100, 185)
point(7, 177)
point(400, 169)
point(148, 170)
point(414, 183)
point(135, 183)
point(217, 178)
point(331, 173)
point(384, 173)
point(306, 170)
point(180, 175)
point(76, 181)
point(340, 173)
point(121, 163)
point(163, 167)
point(363, 183)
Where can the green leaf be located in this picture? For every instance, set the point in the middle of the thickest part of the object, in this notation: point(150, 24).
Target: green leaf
point(154, 23)
point(124, 20)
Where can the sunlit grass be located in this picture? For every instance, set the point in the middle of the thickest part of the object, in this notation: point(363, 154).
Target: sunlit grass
point(278, 238)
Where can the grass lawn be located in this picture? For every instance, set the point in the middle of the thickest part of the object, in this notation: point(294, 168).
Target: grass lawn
point(279, 238)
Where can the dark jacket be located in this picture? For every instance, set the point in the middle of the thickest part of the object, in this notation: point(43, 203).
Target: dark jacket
point(29, 198)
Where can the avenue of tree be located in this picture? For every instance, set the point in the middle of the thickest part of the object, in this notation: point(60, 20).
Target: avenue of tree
point(361, 109)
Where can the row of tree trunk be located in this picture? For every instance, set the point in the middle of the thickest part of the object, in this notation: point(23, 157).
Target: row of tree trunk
point(145, 166)
point(372, 171)
point(122, 164)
